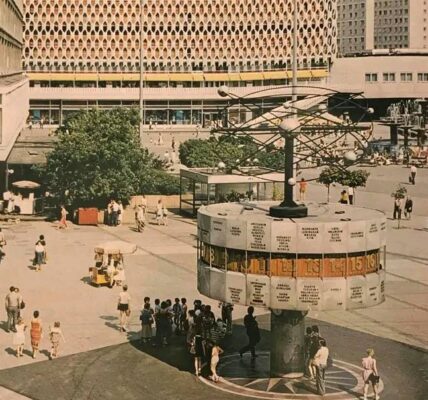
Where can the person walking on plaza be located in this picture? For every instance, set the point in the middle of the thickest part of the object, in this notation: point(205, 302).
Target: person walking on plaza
point(197, 350)
point(35, 332)
point(226, 316)
point(320, 363)
point(55, 334)
point(140, 218)
point(343, 197)
point(314, 347)
point(412, 177)
point(398, 208)
point(253, 333)
point(42, 241)
point(184, 324)
point(408, 207)
point(63, 218)
point(114, 213)
point(40, 253)
point(303, 185)
point(370, 374)
point(119, 212)
point(124, 307)
point(307, 352)
point(159, 212)
point(2, 244)
point(351, 192)
point(215, 358)
point(146, 319)
point(12, 304)
point(19, 337)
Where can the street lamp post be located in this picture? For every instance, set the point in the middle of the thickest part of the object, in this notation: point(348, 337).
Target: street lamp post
point(141, 71)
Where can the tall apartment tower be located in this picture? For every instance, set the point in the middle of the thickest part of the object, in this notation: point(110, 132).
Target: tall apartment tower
point(13, 85)
point(386, 24)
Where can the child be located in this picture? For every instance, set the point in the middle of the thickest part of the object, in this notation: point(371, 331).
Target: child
point(55, 335)
point(215, 358)
point(146, 319)
point(176, 309)
point(19, 337)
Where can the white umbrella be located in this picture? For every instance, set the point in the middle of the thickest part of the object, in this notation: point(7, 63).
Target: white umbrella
point(26, 185)
point(116, 247)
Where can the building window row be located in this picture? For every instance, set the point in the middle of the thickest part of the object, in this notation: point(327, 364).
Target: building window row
point(391, 77)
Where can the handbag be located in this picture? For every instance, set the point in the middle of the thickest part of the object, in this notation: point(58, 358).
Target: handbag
point(22, 305)
point(192, 349)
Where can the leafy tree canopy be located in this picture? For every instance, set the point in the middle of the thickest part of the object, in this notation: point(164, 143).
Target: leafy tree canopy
point(98, 157)
point(352, 178)
point(198, 153)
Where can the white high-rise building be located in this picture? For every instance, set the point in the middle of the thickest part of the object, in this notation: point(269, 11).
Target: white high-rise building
point(387, 24)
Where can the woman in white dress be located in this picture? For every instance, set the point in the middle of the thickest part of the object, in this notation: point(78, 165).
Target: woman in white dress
point(19, 337)
point(370, 374)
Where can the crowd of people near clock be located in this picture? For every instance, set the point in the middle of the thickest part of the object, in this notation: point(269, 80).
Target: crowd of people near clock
point(162, 319)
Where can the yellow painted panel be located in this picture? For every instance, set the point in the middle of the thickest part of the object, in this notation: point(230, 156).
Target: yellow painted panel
point(86, 77)
point(275, 74)
point(181, 77)
point(131, 77)
point(198, 76)
point(234, 76)
point(251, 76)
point(319, 73)
point(62, 76)
point(38, 76)
point(156, 77)
point(110, 77)
point(214, 76)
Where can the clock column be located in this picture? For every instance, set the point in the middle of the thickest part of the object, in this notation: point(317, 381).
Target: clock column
point(287, 343)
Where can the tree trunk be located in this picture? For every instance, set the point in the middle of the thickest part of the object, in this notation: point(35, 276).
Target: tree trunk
point(328, 193)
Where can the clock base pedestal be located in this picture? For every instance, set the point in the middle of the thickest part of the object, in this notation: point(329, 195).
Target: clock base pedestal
point(287, 343)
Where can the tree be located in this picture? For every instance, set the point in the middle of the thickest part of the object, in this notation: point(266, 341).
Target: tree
point(98, 157)
point(353, 178)
point(240, 151)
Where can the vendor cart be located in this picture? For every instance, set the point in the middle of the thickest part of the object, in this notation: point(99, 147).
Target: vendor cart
point(109, 262)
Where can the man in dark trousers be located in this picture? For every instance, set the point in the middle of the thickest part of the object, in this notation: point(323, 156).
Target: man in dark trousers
point(253, 333)
point(313, 349)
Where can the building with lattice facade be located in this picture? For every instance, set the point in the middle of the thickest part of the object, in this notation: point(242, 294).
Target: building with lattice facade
point(178, 35)
point(13, 84)
point(387, 24)
point(187, 44)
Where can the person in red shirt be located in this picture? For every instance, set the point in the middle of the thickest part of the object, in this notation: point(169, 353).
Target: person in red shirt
point(302, 189)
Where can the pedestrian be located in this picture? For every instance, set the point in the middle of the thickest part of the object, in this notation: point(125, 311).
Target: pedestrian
point(191, 327)
point(219, 331)
point(398, 208)
point(308, 338)
point(176, 309)
point(343, 197)
point(159, 212)
point(173, 143)
point(320, 363)
point(146, 319)
point(226, 316)
point(184, 324)
point(144, 204)
point(63, 218)
point(163, 325)
point(165, 214)
point(197, 350)
point(370, 374)
point(124, 307)
point(119, 275)
point(42, 241)
point(2, 244)
point(36, 332)
point(21, 304)
point(39, 255)
point(408, 207)
point(119, 212)
point(12, 304)
point(253, 333)
point(208, 320)
point(140, 218)
point(302, 189)
point(19, 337)
point(215, 358)
point(55, 334)
point(109, 213)
point(114, 213)
point(351, 192)
point(314, 347)
point(160, 139)
point(412, 177)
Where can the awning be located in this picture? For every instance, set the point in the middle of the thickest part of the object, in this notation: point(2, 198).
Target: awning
point(275, 74)
point(214, 77)
point(181, 77)
point(251, 76)
point(198, 76)
point(319, 73)
point(86, 77)
point(131, 77)
point(110, 77)
point(156, 77)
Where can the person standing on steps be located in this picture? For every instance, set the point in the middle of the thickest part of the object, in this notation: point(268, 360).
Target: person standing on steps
point(253, 333)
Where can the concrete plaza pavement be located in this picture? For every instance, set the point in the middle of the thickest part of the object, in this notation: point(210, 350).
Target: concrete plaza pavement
point(164, 266)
